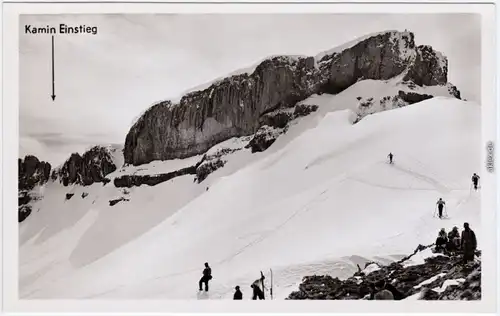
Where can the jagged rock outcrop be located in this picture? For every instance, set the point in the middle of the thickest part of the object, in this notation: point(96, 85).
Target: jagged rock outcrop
point(430, 67)
point(91, 167)
point(239, 105)
point(380, 57)
point(32, 172)
point(440, 277)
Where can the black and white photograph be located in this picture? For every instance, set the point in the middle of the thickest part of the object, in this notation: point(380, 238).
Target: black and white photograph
point(251, 156)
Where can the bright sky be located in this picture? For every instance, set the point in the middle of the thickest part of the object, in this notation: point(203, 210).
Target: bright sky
point(105, 81)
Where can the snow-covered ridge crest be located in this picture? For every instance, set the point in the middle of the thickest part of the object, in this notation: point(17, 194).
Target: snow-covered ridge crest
point(276, 83)
point(402, 38)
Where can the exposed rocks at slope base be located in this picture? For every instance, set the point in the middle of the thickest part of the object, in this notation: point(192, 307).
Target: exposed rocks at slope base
point(23, 212)
point(439, 278)
point(91, 167)
point(115, 201)
point(264, 138)
point(238, 105)
point(412, 97)
point(129, 181)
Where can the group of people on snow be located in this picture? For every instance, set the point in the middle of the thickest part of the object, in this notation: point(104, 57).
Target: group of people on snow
point(451, 242)
point(454, 242)
point(258, 293)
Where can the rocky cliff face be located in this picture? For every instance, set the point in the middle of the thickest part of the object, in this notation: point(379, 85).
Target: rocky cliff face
point(234, 106)
point(31, 172)
point(91, 167)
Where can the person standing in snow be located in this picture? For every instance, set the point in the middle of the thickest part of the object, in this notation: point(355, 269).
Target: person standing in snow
point(390, 157)
point(468, 243)
point(207, 276)
point(237, 294)
point(257, 291)
point(440, 204)
point(475, 180)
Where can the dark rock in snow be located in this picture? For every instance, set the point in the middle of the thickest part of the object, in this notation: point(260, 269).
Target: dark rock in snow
point(23, 212)
point(69, 196)
point(23, 198)
point(208, 167)
point(113, 202)
point(304, 110)
point(84, 195)
point(412, 97)
point(277, 119)
point(129, 181)
point(264, 138)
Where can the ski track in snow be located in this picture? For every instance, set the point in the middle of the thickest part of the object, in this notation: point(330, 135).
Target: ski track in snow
point(298, 208)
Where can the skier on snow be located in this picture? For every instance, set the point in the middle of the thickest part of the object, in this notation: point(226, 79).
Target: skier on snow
point(440, 204)
point(390, 157)
point(237, 294)
point(257, 291)
point(468, 243)
point(207, 276)
point(475, 180)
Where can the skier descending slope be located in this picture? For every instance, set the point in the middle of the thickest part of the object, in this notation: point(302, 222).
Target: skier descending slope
point(207, 276)
point(390, 157)
point(440, 204)
point(475, 180)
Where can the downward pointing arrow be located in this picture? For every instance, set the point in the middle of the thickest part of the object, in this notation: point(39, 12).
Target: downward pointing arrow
point(53, 79)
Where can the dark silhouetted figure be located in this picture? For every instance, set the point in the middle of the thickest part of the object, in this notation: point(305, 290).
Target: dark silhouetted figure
point(475, 180)
point(440, 204)
point(468, 243)
point(257, 291)
point(390, 157)
point(237, 294)
point(207, 276)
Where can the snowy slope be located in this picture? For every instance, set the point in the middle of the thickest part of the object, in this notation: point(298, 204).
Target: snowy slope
point(320, 197)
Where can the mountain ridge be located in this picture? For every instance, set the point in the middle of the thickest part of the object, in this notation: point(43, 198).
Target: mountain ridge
point(231, 107)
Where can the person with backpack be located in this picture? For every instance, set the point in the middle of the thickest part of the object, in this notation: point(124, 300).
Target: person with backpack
point(475, 180)
point(390, 157)
point(207, 276)
point(440, 204)
point(468, 243)
point(237, 294)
